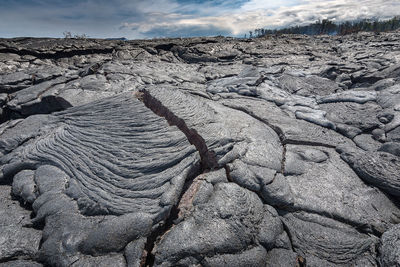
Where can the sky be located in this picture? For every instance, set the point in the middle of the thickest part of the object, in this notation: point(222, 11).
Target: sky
point(142, 19)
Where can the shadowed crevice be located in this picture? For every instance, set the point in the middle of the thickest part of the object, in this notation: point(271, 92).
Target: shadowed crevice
point(208, 157)
point(148, 256)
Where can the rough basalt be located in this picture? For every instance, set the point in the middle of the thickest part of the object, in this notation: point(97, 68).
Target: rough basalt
point(273, 151)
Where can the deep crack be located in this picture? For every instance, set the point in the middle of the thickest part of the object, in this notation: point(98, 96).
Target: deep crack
point(161, 230)
point(208, 162)
point(208, 157)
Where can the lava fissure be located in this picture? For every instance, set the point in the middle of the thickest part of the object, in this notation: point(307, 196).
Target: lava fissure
point(161, 230)
point(208, 158)
point(208, 162)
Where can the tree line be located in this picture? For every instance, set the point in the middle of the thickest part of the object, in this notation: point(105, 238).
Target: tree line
point(329, 27)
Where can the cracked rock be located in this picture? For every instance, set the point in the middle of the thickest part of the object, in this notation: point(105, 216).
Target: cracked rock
point(206, 151)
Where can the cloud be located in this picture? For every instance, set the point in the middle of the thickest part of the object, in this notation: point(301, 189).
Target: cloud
point(260, 14)
point(97, 18)
point(174, 18)
point(262, 4)
point(187, 31)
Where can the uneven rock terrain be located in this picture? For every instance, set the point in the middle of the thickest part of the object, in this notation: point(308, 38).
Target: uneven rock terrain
point(277, 151)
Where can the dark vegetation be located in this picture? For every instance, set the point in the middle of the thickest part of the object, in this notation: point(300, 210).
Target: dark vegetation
point(329, 27)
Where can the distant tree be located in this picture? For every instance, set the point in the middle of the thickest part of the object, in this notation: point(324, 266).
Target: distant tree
point(67, 35)
point(258, 32)
point(329, 27)
point(81, 36)
point(250, 34)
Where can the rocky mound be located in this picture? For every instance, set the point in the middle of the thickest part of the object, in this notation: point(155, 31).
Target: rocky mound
point(278, 151)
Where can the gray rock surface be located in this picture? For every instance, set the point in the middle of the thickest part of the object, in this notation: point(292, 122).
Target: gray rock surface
point(18, 238)
point(390, 247)
point(323, 241)
point(275, 151)
point(380, 168)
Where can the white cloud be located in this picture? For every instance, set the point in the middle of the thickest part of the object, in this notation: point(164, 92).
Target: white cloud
point(156, 18)
point(262, 4)
point(259, 13)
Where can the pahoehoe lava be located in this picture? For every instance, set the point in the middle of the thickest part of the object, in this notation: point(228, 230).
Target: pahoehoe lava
point(274, 151)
